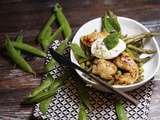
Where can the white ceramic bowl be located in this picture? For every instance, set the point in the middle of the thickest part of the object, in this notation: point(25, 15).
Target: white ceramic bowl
point(129, 27)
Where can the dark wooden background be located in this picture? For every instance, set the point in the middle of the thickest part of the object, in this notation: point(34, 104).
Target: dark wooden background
point(30, 15)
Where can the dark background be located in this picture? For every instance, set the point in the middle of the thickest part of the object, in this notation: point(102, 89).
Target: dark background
point(30, 15)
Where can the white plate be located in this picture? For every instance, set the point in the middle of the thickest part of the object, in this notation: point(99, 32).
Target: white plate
point(129, 27)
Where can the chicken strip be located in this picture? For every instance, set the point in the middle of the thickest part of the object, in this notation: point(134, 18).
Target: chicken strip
point(126, 63)
point(105, 69)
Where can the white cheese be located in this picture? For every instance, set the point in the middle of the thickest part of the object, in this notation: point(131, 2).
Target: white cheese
point(99, 50)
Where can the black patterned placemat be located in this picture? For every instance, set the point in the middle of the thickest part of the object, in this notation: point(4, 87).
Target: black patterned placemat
point(65, 105)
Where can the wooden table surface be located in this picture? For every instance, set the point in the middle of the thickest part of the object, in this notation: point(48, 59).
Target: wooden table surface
point(30, 15)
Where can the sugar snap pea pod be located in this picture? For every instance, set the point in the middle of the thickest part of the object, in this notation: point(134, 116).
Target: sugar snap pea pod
point(19, 39)
point(48, 32)
point(45, 103)
point(44, 95)
point(144, 60)
point(46, 36)
point(45, 84)
point(46, 28)
point(141, 36)
point(120, 111)
point(43, 106)
point(141, 50)
point(51, 37)
point(78, 50)
point(60, 49)
point(82, 113)
point(106, 24)
point(114, 21)
point(135, 57)
point(19, 60)
point(54, 36)
point(67, 31)
point(50, 65)
point(29, 48)
point(84, 97)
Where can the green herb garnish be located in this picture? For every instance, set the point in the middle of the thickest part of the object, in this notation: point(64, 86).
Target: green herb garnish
point(111, 40)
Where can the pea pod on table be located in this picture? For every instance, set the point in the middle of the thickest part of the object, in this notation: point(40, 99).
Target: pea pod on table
point(45, 84)
point(120, 111)
point(67, 31)
point(44, 41)
point(19, 39)
point(43, 106)
point(84, 97)
point(82, 113)
point(50, 36)
point(47, 28)
point(60, 49)
point(29, 48)
point(44, 95)
point(53, 36)
point(16, 57)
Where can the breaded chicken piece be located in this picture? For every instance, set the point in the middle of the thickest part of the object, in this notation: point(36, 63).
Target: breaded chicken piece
point(126, 63)
point(105, 69)
point(90, 38)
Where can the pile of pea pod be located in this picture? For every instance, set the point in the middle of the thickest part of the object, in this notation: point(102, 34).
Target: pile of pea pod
point(43, 94)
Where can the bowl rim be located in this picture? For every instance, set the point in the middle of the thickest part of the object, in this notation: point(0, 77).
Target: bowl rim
point(121, 86)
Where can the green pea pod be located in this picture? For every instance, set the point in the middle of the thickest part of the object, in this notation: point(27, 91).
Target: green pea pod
point(46, 36)
point(29, 48)
point(45, 103)
point(146, 59)
point(48, 32)
point(60, 49)
point(114, 21)
point(106, 24)
point(45, 84)
point(120, 111)
point(83, 94)
point(67, 31)
point(50, 65)
point(78, 52)
point(141, 50)
point(50, 38)
point(44, 95)
point(44, 31)
point(140, 37)
point(54, 36)
point(19, 39)
point(14, 55)
point(82, 113)
point(43, 106)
